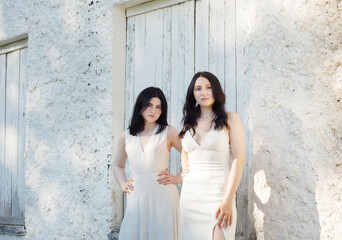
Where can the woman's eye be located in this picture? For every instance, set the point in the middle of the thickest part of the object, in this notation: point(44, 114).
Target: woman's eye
point(159, 107)
point(209, 87)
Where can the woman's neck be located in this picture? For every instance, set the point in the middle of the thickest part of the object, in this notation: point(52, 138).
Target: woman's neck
point(207, 113)
point(149, 127)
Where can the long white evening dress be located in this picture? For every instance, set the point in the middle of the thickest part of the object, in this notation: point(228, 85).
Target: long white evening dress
point(204, 185)
point(152, 211)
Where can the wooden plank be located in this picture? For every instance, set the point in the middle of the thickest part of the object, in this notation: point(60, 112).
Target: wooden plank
point(189, 35)
point(151, 6)
point(166, 72)
point(182, 65)
point(12, 121)
point(177, 49)
point(153, 49)
point(140, 62)
point(118, 76)
point(2, 131)
point(130, 70)
point(11, 221)
point(230, 55)
point(14, 46)
point(243, 110)
point(13, 230)
point(216, 39)
point(18, 209)
point(202, 37)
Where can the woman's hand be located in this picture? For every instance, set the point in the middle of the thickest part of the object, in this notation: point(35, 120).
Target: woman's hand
point(167, 178)
point(225, 214)
point(128, 186)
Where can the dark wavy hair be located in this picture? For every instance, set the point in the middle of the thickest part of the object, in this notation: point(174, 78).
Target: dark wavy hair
point(137, 124)
point(191, 112)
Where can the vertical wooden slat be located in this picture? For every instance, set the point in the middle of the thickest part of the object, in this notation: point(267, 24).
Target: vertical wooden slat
point(242, 106)
point(153, 49)
point(182, 65)
point(189, 61)
point(201, 36)
point(166, 73)
point(216, 39)
point(2, 131)
point(19, 210)
point(230, 54)
point(140, 55)
point(175, 59)
point(130, 69)
point(119, 79)
point(12, 121)
point(189, 35)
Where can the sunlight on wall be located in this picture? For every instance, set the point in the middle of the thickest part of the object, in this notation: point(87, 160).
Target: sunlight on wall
point(259, 225)
point(262, 190)
point(55, 58)
point(47, 204)
point(72, 17)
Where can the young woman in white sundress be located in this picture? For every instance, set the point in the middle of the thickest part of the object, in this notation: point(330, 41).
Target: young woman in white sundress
point(152, 211)
point(212, 159)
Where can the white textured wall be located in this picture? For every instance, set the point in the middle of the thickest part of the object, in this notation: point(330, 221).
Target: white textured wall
point(68, 115)
point(294, 71)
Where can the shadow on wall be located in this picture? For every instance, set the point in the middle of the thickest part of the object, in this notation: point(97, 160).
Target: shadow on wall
point(284, 185)
point(289, 122)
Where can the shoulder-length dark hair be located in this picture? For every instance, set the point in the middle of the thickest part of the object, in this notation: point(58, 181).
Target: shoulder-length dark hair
point(137, 124)
point(191, 112)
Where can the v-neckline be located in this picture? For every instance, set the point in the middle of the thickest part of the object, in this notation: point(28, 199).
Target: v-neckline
point(199, 145)
point(148, 141)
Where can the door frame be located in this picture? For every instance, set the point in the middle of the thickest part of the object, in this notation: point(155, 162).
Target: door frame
point(121, 11)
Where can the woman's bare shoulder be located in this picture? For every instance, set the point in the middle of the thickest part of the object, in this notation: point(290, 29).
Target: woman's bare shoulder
point(233, 117)
point(171, 131)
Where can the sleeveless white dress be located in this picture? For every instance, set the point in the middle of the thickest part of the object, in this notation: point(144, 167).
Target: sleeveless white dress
point(204, 185)
point(152, 211)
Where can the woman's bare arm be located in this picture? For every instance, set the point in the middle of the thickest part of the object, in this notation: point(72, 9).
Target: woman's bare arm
point(119, 166)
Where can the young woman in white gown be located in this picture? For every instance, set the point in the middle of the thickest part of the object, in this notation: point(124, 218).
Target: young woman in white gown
point(212, 159)
point(152, 211)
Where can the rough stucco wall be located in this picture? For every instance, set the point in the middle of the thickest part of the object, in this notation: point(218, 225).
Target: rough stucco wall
point(294, 51)
point(68, 115)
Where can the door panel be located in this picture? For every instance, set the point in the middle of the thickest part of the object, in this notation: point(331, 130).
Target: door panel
point(12, 133)
point(167, 45)
point(160, 52)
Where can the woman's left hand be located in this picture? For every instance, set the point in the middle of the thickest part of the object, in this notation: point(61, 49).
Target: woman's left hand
point(166, 178)
point(225, 214)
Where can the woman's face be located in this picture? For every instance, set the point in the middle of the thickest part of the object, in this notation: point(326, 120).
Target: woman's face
point(203, 92)
point(153, 110)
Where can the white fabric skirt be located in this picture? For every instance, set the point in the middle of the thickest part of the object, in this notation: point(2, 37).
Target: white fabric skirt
point(152, 211)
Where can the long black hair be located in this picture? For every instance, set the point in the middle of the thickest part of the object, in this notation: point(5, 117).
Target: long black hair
point(191, 112)
point(137, 124)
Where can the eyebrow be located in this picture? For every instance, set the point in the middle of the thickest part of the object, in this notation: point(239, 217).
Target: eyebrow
point(201, 85)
